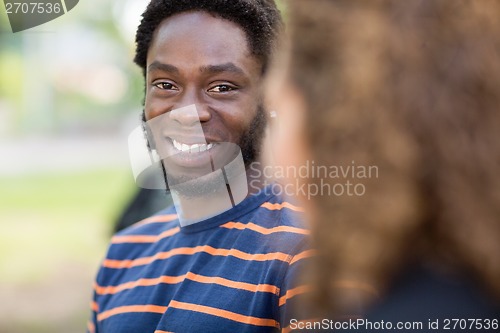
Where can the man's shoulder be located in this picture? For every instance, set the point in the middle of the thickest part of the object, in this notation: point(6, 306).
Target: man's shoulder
point(278, 224)
point(140, 238)
point(278, 211)
point(158, 222)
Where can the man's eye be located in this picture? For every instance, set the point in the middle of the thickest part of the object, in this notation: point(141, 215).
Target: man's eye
point(222, 88)
point(165, 86)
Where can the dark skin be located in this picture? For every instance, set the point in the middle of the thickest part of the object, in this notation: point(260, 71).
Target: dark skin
point(198, 59)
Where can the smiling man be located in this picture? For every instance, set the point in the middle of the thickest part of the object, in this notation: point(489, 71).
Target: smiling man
point(203, 102)
point(224, 257)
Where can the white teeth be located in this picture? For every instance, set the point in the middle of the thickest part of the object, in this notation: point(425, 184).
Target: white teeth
point(192, 148)
point(177, 145)
point(195, 148)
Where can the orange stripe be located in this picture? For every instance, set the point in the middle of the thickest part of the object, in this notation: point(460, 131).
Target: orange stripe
point(294, 292)
point(356, 285)
point(280, 206)
point(90, 327)
point(303, 255)
point(191, 276)
point(131, 308)
point(224, 314)
point(118, 264)
point(144, 238)
point(134, 239)
point(138, 283)
point(268, 288)
point(94, 306)
point(157, 219)
point(262, 230)
point(288, 329)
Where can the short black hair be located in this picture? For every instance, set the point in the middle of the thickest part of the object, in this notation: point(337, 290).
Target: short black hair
point(259, 19)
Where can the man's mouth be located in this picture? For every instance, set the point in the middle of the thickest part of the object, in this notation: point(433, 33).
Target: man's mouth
point(194, 148)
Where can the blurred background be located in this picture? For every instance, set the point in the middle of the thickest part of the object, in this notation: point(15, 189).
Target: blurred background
point(69, 96)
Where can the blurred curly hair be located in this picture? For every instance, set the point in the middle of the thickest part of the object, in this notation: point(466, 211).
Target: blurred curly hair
point(412, 87)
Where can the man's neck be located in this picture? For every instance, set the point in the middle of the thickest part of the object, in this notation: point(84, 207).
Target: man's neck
point(234, 187)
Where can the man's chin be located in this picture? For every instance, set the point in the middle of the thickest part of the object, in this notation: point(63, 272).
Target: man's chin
point(196, 186)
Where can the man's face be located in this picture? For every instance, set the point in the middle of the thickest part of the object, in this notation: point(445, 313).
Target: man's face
point(196, 59)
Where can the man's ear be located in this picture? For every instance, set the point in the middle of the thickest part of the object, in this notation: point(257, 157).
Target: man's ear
point(144, 161)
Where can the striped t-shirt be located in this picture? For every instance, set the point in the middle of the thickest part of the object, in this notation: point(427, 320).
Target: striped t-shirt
point(234, 273)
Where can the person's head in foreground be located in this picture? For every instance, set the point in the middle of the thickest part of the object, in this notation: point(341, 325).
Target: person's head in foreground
point(413, 88)
point(203, 64)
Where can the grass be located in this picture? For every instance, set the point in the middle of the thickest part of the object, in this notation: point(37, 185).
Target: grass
point(88, 192)
point(54, 229)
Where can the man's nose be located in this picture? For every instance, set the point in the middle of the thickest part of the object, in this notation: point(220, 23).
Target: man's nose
point(190, 110)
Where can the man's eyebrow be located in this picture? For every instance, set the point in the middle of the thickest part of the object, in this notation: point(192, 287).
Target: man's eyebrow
point(228, 67)
point(155, 65)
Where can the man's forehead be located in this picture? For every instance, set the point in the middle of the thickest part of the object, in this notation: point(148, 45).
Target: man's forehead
point(211, 45)
point(228, 67)
point(203, 25)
